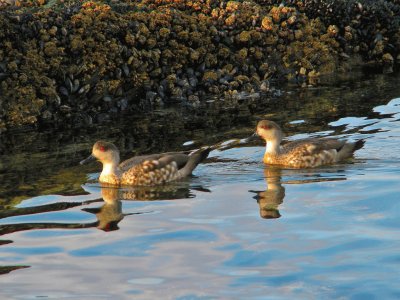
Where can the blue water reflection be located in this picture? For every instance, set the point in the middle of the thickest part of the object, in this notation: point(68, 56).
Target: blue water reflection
point(137, 246)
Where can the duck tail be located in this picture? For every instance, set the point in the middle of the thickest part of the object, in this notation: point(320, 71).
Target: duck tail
point(359, 144)
point(194, 159)
point(348, 149)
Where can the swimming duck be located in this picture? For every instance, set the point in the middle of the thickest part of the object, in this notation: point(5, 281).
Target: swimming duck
point(306, 153)
point(144, 170)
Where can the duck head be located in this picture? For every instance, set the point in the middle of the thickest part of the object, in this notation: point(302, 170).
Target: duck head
point(269, 131)
point(105, 152)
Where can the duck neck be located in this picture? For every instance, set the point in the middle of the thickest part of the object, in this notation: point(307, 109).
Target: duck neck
point(272, 147)
point(110, 172)
point(109, 168)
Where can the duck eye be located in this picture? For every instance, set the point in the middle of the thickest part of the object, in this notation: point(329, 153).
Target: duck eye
point(266, 127)
point(102, 148)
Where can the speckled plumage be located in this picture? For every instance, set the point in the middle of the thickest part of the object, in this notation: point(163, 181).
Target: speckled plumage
point(154, 169)
point(148, 173)
point(305, 153)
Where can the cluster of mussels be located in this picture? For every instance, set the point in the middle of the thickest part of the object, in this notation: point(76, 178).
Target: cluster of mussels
point(85, 61)
point(369, 28)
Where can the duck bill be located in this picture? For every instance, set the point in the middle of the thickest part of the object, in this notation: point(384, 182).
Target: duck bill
point(87, 159)
point(251, 138)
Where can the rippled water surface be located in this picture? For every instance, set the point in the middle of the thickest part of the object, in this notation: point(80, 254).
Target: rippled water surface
point(237, 230)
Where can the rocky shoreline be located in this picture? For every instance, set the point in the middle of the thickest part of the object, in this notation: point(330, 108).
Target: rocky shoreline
point(87, 62)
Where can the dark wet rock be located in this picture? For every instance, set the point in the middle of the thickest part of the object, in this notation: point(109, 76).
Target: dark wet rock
point(47, 115)
point(123, 104)
point(193, 82)
point(102, 117)
point(150, 96)
point(65, 108)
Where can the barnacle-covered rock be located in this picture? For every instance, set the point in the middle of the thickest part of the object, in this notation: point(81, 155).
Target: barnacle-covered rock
point(368, 28)
point(101, 58)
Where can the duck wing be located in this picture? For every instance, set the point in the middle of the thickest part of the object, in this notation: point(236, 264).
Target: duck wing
point(136, 160)
point(185, 163)
point(313, 146)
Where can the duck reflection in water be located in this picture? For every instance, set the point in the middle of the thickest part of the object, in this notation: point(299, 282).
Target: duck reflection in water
point(110, 214)
point(270, 199)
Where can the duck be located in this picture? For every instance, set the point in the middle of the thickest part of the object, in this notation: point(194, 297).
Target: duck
point(146, 170)
point(305, 153)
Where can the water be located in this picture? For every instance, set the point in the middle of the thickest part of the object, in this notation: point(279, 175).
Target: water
point(237, 230)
